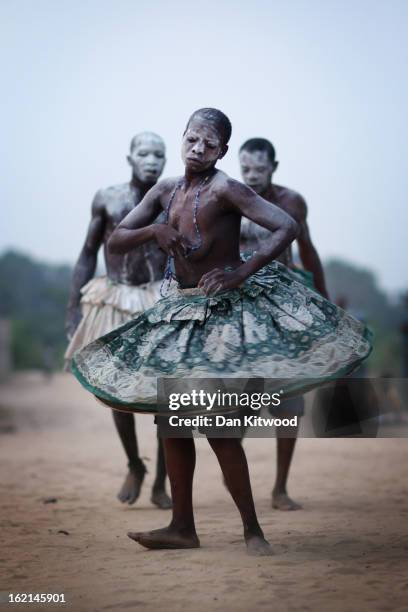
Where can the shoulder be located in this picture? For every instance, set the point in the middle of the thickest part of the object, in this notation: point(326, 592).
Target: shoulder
point(166, 185)
point(228, 187)
point(107, 195)
point(161, 191)
point(292, 201)
point(99, 202)
point(115, 190)
point(222, 181)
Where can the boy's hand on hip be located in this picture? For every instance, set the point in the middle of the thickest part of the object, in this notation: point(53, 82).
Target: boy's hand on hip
point(218, 280)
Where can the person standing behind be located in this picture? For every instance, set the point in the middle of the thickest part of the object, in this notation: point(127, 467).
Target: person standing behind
point(258, 163)
point(98, 305)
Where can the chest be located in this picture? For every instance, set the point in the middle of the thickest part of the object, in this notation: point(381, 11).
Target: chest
point(190, 214)
point(116, 213)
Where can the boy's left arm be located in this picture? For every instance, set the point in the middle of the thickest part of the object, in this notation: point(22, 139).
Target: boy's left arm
point(308, 254)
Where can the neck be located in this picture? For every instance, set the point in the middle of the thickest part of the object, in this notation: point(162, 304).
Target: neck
point(143, 188)
point(191, 177)
point(268, 189)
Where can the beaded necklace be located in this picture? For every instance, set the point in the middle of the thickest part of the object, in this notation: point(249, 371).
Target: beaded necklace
point(169, 275)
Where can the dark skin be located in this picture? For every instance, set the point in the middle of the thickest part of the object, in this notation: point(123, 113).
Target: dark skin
point(257, 171)
point(222, 203)
point(140, 266)
point(294, 204)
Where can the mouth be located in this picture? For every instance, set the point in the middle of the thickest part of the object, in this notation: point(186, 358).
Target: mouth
point(195, 160)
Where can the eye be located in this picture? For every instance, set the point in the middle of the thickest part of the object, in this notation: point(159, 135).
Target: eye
point(142, 153)
point(159, 154)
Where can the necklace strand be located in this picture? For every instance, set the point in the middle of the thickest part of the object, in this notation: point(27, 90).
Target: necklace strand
point(168, 273)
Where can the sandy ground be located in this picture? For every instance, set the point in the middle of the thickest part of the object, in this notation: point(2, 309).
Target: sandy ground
point(346, 550)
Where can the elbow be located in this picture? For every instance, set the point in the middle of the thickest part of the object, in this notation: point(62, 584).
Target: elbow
point(292, 229)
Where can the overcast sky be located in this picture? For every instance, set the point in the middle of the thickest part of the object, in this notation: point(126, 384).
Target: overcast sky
point(325, 80)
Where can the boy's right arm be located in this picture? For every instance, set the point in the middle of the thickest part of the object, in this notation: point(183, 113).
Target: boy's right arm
point(138, 226)
point(85, 267)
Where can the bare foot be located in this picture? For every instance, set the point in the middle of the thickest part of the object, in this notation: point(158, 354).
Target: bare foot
point(282, 501)
point(132, 485)
point(164, 538)
point(160, 499)
point(257, 546)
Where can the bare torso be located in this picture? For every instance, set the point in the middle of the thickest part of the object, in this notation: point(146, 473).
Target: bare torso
point(219, 228)
point(143, 264)
point(252, 234)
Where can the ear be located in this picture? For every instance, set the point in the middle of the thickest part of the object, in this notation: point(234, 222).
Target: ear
point(223, 151)
point(129, 160)
point(275, 166)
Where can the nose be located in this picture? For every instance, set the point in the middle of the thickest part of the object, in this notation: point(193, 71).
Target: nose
point(198, 148)
point(151, 162)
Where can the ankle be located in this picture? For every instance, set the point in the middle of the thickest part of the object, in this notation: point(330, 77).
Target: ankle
point(137, 467)
point(279, 490)
point(183, 527)
point(158, 487)
point(253, 530)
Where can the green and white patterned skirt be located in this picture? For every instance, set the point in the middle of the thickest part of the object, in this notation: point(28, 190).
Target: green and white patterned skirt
point(273, 326)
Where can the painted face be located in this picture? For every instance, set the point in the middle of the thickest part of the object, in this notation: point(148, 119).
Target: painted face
point(147, 158)
point(256, 170)
point(201, 146)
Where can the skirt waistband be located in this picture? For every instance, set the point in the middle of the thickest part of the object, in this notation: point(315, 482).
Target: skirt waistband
point(190, 291)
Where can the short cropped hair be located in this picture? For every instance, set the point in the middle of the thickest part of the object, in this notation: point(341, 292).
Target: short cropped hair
point(220, 122)
point(260, 144)
point(135, 140)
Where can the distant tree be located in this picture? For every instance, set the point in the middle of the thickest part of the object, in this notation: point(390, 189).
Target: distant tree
point(33, 296)
point(364, 299)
